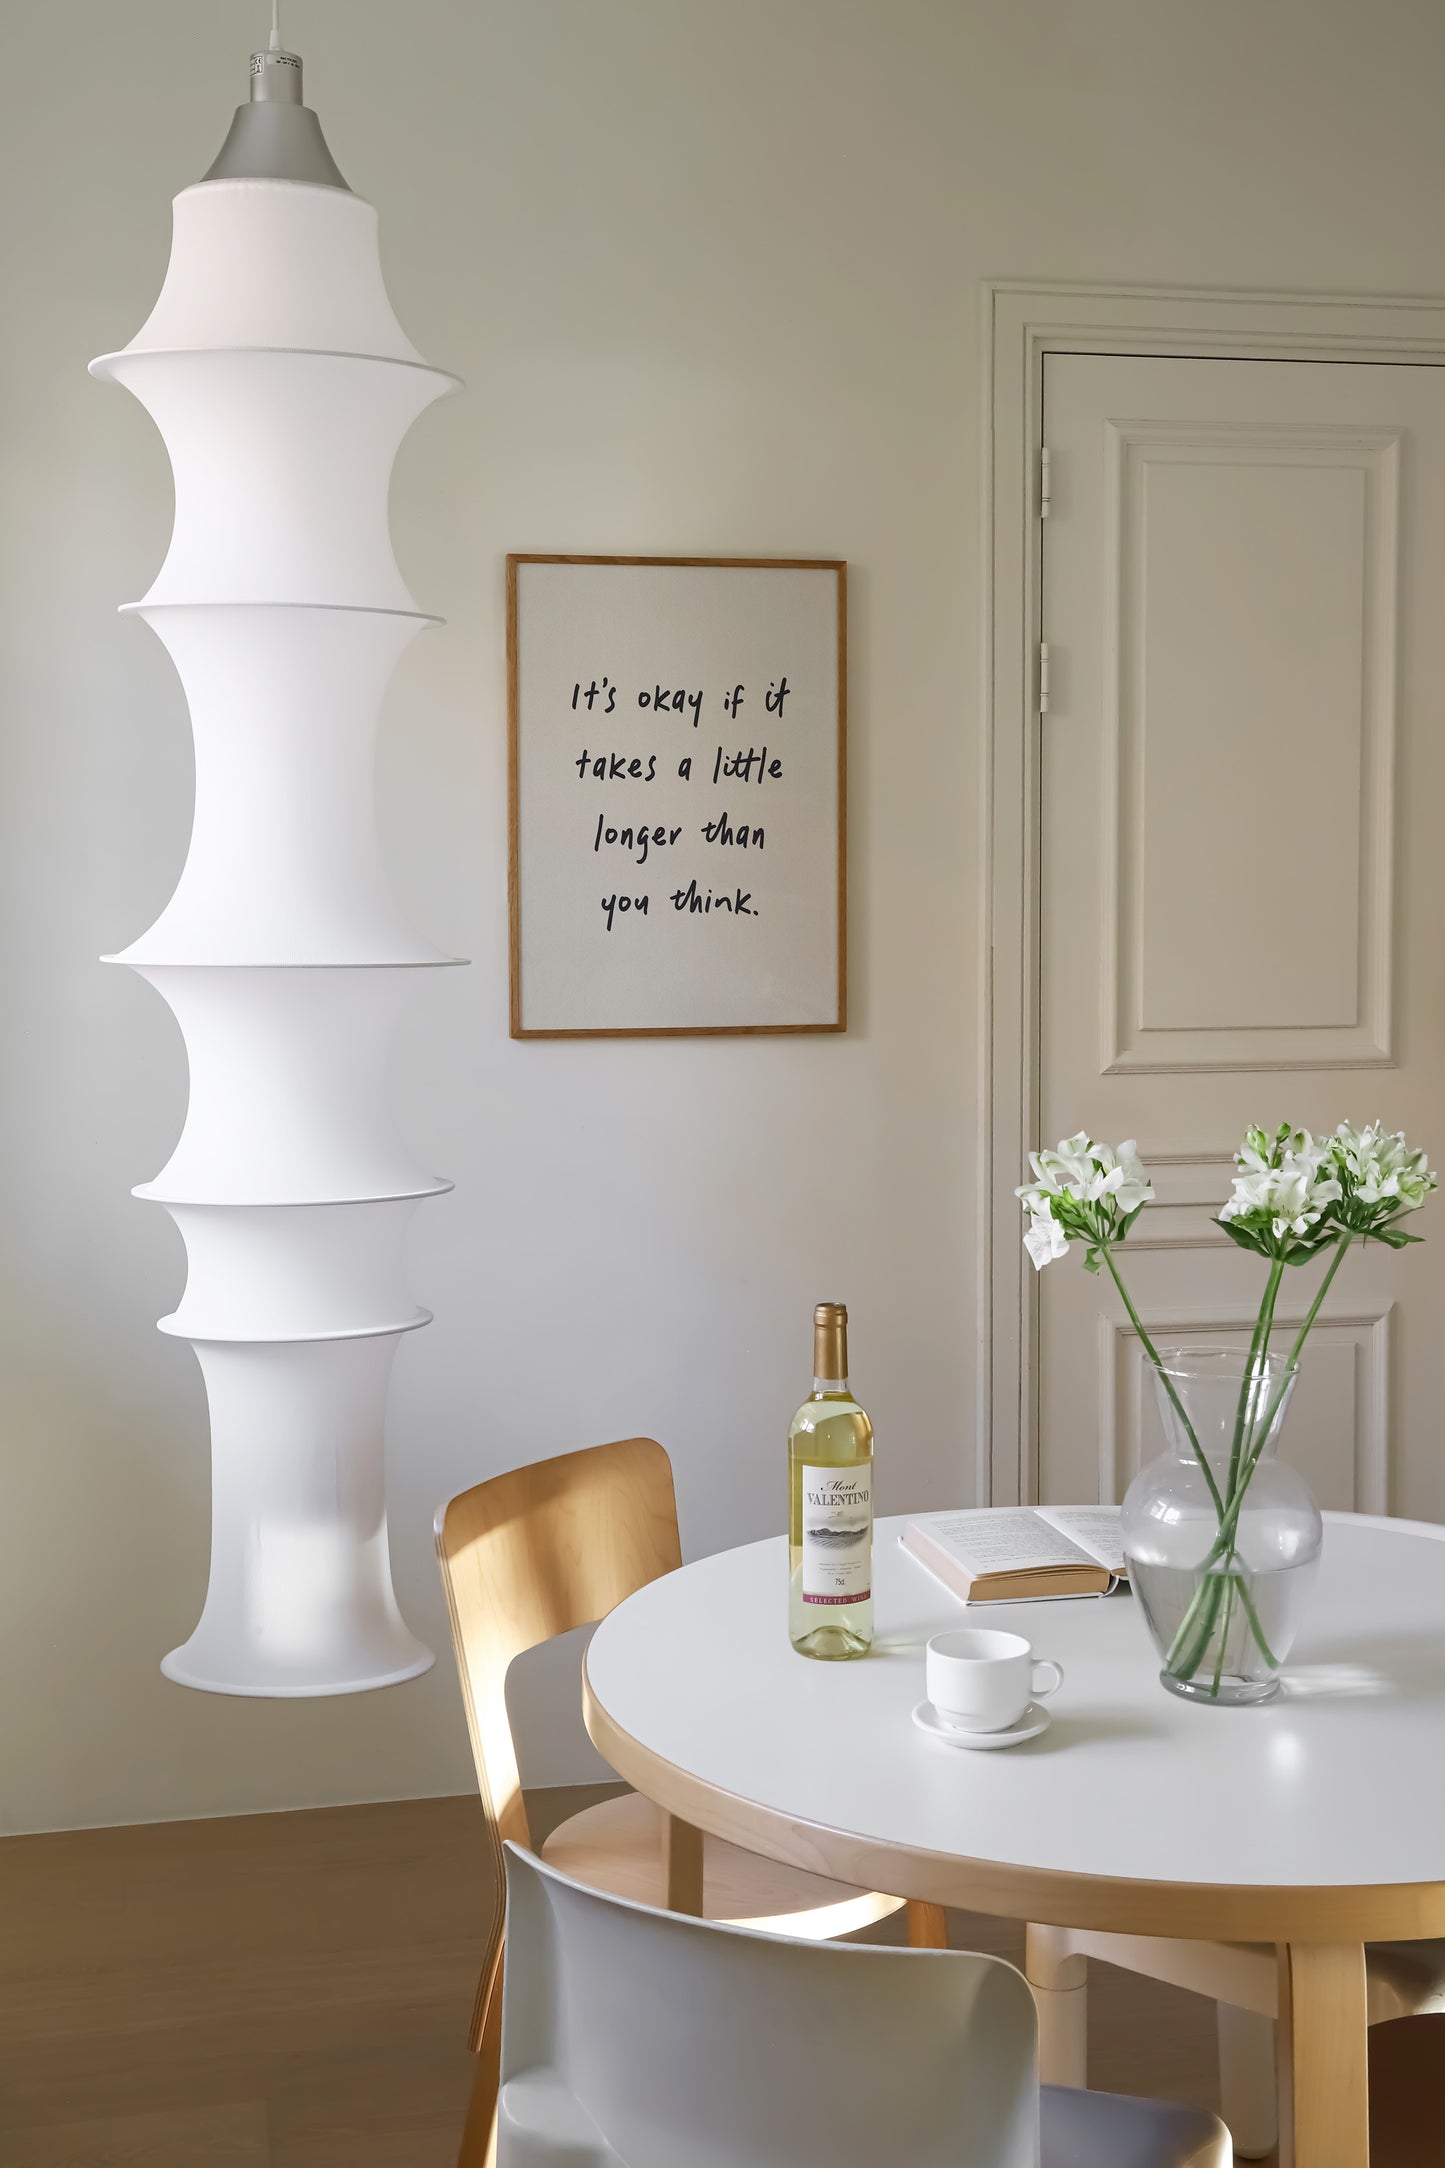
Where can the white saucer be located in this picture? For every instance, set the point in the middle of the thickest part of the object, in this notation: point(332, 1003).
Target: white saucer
point(1028, 1726)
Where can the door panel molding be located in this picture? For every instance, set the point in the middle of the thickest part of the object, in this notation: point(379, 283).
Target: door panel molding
point(1358, 1032)
point(1189, 1188)
point(1022, 322)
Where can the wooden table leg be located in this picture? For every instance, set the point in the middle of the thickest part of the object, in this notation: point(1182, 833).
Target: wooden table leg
point(682, 1865)
point(1323, 2056)
point(927, 1926)
point(1059, 1979)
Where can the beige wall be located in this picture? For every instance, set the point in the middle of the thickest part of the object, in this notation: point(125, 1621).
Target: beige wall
point(710, 268)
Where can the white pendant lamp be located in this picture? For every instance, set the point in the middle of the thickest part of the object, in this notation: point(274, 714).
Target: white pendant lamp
point(283, 385)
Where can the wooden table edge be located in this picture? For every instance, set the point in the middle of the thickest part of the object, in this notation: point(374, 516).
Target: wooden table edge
point(1206, 1912)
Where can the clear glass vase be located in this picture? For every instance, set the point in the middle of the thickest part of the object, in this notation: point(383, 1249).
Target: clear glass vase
point(1222, 1538)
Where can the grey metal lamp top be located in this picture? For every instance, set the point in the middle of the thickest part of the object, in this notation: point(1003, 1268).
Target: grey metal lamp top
point(276, 77)
point(275, 137)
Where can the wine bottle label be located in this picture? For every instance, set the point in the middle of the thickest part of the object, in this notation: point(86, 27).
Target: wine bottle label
point(837, 1535)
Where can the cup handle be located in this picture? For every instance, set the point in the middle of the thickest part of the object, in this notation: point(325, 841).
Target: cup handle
point(1042, 1686)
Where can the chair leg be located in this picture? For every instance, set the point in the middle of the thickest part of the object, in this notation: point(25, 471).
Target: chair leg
point(1248, 2100)
point(1059, 1978)
point(927, 1926)
point(479, 2138)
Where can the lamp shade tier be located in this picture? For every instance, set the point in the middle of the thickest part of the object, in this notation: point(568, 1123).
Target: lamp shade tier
point(282, 463)
point(272, 263)
point(300, 1598)
point(288, 1101)
point(283, 866)
point(271, 1272)
point(282, 385)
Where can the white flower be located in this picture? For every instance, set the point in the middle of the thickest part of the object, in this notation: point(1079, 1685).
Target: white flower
point(1045, 1238)
point(1133, 1187)
point(1082, 1189)
point(1064, 1173)
point(1287, 1184)
point(1288, 1196)
point(1088, 1172)
point(1255, 1152)
point(1261, 1152)
point(1379, 1167)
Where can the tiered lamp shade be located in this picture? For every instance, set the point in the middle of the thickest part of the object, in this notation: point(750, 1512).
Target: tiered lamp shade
point(282, 383)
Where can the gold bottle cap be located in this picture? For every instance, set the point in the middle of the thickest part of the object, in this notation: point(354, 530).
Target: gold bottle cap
point(830, 1341)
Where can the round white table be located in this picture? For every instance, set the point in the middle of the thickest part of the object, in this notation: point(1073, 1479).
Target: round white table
point(1316, 1822)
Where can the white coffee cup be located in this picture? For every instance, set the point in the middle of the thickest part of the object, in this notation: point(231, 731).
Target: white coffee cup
point(983, 1680)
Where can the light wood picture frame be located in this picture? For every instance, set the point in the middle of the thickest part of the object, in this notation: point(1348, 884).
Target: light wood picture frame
point(681, 656)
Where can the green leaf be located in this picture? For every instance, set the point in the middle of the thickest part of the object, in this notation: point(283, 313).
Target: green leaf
point(1092, 1260)
point(1246, 1238)
point(1309, 1247)
point(1395, 1237)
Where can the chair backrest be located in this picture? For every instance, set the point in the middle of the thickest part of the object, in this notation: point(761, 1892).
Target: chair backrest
point(650, 2038)
point(529, 1555)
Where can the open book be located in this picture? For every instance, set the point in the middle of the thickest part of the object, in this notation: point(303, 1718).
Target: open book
point(992, 1556)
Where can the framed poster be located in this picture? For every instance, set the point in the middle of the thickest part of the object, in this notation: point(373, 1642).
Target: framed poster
point(677, 785)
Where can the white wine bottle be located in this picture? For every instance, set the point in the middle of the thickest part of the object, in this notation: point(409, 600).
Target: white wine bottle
point(830, 1513)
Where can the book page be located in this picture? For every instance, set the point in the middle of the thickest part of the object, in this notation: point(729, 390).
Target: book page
point(990, 1540)
point(1097, 1528)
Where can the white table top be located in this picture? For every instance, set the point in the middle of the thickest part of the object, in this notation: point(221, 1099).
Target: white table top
point(1339, 1782)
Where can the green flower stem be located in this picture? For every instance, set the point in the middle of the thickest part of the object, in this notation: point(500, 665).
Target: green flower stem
point(1234, 1583)
point(1255, 1628)
point(1223, 1637)
point(1261, 1436)
point(1207, 1589)
point(1258, 1349)
point(1207, 1596)
point(1185, 1657)
point(1192, 1637)
point(1193, 1633)
point(1153, 1354)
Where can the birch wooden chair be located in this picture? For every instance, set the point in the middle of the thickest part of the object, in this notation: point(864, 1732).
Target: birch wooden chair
point(533, 1554)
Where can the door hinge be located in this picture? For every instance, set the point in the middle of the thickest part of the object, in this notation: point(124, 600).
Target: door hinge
point(1045, 484)
point(1043, 677)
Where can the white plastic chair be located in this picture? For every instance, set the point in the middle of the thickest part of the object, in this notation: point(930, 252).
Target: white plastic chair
point(633, 2038)
point(1404, 1979)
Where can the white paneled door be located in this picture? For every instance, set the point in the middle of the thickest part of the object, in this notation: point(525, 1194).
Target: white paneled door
point(1242, 853)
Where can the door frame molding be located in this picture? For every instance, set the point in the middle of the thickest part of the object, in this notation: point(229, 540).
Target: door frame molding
point(1022, 321)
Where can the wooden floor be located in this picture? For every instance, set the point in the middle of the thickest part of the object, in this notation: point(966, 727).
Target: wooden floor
point(292, 1990)
point(275, 1991)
